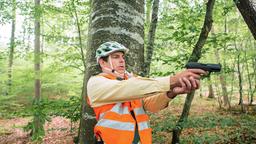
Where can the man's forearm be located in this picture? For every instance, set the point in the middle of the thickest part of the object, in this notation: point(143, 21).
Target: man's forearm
point(105, 91)
point(156, 103)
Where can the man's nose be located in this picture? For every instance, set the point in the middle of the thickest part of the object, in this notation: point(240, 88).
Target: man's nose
point(122, 59)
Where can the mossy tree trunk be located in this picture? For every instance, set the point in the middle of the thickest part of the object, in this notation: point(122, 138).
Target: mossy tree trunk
point(38, 129)
point(151, 37)
point(12, 46)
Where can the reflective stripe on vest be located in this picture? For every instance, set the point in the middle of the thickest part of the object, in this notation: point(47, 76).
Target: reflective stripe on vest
point(119, 109)
point(143, 125)
point(139, 111)
point(116, 124)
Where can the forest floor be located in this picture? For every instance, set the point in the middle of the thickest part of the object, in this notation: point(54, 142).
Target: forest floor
point(57, 131)
point(207, 124)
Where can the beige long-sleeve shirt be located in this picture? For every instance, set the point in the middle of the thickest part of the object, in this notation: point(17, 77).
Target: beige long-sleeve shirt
point(102, 91)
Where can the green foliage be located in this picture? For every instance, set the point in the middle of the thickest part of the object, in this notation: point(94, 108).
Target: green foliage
point(44, 109)
point(209, 121)
point(2, 72)
point(36, 127)
point(11, 109)
point(72, 109)
point(178, 30)
point(206, 138)
point(5, 13)
point(69, 109)
point(59, 83)
point(208, 128)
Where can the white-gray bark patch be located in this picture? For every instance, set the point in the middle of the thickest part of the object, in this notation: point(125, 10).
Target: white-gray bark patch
point(137, 17)
point(253, 3)
point(120, 31)
point(125, 13)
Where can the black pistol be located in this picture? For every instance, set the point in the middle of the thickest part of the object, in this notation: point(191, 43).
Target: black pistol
point(207, 67)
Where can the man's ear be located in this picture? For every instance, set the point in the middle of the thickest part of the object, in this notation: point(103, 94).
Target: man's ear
point(102, 63)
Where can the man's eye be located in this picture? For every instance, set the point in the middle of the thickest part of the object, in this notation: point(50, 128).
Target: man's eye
point(114, 56)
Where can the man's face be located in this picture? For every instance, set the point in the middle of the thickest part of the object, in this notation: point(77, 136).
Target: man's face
point(118, 62)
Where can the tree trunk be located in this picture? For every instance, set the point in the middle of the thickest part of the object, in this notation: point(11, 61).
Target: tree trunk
point(79, 34)
point(151, 37)
point(220, 101)
point(201, 92)
point(37, 121)
point(254, 75)
point(12, 46)
point(148, 11)
point(42, 38)
point(240, 84)
point(248, 10)
point(222, 74)
point(75, 15)
point(121, 21)
point(28, 44)
point(195, 56)
point(232, 80)
point(250, 91)
point(223, 83)
point(254, 72)
point(239, 71)
point(211, 92)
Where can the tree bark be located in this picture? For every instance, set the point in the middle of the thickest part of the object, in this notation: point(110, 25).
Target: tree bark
point(223, 83)
point(151, 37)
point(195, 56)
point(115, 20)
point(12, 46)
point(232, 80)
point(37, 55)
point(28, 47)
point(254, 72)
point(240, 84)
point(248, 10)
point(239, 70)
point(250, 91)
point(79, 34)
point(148, 11)
point(37, 60)
point(220, 101)
point(254, 75)
point(227, 100)
point(78, 25)
point(211, 92)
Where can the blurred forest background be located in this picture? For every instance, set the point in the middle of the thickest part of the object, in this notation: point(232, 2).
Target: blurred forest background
point(46, 53)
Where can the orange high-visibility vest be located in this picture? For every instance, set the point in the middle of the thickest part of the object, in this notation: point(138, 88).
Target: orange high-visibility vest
point(116, 125)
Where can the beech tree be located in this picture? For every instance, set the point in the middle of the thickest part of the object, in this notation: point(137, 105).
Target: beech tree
point(121, 21)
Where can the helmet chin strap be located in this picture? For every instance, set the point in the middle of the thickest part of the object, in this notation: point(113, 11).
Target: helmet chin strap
point(112, 70)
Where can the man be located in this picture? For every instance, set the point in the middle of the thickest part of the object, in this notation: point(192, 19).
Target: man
point(120, 99)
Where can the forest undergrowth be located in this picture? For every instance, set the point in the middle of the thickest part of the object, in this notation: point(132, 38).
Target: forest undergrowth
point(207, 122)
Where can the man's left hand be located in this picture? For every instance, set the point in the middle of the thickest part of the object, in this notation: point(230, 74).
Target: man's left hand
point(187, 86)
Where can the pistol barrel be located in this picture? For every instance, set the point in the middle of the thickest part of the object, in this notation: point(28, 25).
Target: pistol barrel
point(206, 67)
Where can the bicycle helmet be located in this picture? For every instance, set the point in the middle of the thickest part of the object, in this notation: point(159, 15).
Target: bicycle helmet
point(107, 48)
